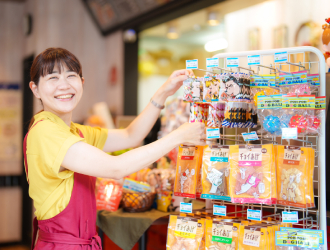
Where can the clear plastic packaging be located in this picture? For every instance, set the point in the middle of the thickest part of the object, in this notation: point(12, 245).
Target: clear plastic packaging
point(262, 85)
point(235, 115)
point(314, 121)
point(269, 113)
point(215, 114)
point(251, 175)
point(184, 233)
point(294, 83)
point(215, 172)
point(211, 89)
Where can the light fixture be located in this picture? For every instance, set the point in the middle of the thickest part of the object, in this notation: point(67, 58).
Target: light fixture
point(172, 32)
point(213, 18)
point(215, 45)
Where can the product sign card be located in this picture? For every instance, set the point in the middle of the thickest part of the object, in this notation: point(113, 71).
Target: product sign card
point(262, 81)
point(309, 231)
point(219, 153)
point(212, 62)
point(298, 102)
point(254, 60)
point(221, 232)
point(212, 133)
point(299, 239)
point(290, 217)
point(291, 155)
point(252, 136)
point(192, 64)
point(270, 102)
point(289, 133)
point(281, 57)
point(219, 210)
point(252, 236)
point(313, 79)
point(186, 227)
point(185, 207)
point(254, 214)
point(250, 155)
point(320, 102)
point(295, 78)
point(232, 62)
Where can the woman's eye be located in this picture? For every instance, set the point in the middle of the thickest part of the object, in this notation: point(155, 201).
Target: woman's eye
point(72, 75)
point(53, 77)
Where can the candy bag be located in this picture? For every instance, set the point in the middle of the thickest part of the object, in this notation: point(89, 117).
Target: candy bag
point(221, 235)
point(296, 110)
point(269, 112)
point(215, 114)
point(187, 165)
point(184, 233)
point(251, 174)
point(215, 172)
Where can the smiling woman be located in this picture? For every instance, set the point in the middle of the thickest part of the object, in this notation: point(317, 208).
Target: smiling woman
point(63, 158)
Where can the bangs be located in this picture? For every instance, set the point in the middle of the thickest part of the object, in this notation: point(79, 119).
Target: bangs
point(60, 59)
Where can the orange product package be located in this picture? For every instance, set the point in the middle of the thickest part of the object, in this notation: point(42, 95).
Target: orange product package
point(199, 187)
point(253, 238)
point(186, 171)
point(184, 233)
point(251, 175)
point(108, 195)
point(215, 172)
point(293, 183)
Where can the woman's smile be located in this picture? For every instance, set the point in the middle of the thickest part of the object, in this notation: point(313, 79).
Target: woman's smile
point(64, 97)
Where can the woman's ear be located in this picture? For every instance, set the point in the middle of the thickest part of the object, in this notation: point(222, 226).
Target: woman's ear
point(83, 80)
point(34, 89)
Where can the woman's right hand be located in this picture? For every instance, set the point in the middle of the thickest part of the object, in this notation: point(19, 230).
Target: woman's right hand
point(191, 133)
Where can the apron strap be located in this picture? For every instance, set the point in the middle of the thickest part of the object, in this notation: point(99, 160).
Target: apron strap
point(35, 231)
point(63, 238)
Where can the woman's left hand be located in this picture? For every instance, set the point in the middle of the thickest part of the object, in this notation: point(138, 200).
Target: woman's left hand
point(174, 82)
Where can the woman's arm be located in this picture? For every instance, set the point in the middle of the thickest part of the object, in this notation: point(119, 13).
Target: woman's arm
point(133, 135)
point(86, 159)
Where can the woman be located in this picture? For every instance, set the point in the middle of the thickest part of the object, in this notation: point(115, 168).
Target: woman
point(62, 158)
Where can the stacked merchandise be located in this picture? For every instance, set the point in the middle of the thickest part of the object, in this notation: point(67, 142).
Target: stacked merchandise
point(201, 230)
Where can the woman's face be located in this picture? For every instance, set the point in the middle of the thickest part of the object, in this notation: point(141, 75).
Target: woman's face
point(59, 92)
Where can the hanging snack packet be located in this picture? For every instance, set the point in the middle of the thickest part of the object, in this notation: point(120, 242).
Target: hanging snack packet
point(293, 185)
point(215, 172)
point(294, 83)
point(314, 121)
point(296, 238)
point(250, 176)
point(314, 82)
point(251, 116)
point(296, 110)
point(215, 115)
point(197, 90)
point(252, 238)
point(196, 112)
point(187, 89)
point(235, 115)
point(262, 85)
point(269, 112)
point(184, 233)
point(221, 235)
point(307, 231)
point(231, 87)
point(199, 187)
point(187, 164)
point(207, 92)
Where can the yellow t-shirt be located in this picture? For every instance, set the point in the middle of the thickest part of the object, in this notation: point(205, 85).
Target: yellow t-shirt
point(47, 144)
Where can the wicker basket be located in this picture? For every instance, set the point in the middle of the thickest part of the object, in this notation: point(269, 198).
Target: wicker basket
point(137, 202)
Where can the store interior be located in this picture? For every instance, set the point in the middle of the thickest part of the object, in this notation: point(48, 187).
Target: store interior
point(128, 49)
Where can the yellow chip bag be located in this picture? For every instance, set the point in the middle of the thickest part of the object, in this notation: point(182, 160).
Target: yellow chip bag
point(253, 238)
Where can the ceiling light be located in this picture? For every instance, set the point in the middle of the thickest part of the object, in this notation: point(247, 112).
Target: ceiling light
point(215, 45)
point(172, 33)
point(213, 18)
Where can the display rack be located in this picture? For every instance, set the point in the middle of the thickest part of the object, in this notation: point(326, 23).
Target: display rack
point(314, 218)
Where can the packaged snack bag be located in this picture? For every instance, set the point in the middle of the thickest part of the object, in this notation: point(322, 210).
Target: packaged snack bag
point(314, 121)
point(250, 175)
point(235, 115)
point(215, 172)
point(187, 89)
point(252, 238)
point(215, 115)
point(187, 163)
point(199, 187)
point(108, 195)
point(293, 185)
point(294, 83)
point(197, 91)
point(262, 85)
point(221, 235)
point(184, 233)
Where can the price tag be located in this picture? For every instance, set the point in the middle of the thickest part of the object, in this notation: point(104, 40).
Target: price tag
point(212, 62)
point(254, 60)
point(254, 215)
point(290, 217)
point(281, 57)
point(192, 64)
point(219, 210)
point(289, 133)
point(212, 133)
point(232, 62)
point(250, 136)
point(185, 207)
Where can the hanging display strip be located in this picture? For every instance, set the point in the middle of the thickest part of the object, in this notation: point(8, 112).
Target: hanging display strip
point(271, 175)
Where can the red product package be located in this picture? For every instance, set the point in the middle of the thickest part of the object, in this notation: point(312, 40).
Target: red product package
point(108, 195)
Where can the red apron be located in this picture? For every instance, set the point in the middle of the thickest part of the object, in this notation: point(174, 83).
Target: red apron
point(74, 227)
